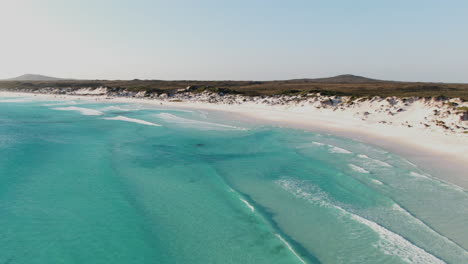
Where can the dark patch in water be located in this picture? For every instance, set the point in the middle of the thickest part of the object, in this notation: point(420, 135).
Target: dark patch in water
point(8, 260)
point(118, 112)
point(193, 180)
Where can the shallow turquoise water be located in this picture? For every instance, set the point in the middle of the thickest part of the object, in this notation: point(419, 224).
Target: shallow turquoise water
point(78, 188)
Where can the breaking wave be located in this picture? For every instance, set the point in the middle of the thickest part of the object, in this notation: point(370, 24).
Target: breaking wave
point(418, 175)
point(290, 248)
point(195, 123)
point(132, 120)
point(335, 149)
point(251, 207)
point(62, 103)
point(378, 162)
point(83, 111)
point(358, 169)
point(119, 108)
point(377, 182)
point(388, 243)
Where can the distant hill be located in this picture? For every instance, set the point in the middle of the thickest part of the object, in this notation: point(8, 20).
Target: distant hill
point(34, 77)
point(345, 78)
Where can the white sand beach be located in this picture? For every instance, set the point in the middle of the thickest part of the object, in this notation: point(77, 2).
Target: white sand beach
point(441, 153)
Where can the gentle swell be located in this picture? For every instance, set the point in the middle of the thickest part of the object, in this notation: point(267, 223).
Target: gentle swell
point(389, 242)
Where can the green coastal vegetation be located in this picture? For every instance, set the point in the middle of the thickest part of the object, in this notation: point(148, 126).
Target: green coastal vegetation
point(343, 85)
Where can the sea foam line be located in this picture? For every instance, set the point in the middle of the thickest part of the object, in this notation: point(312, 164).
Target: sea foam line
point(290, 248)
point(358, 169)
point(440, 182)
point(418, 221)
point(83, 111)
point(418, 175)
point(61, 103)
point(379, 162)
point(335, 149)
point(179, 120)
point(118, 108)
point(251, 207)
point(377, 182)
point(393, 244)
point(133, 120)
point(389, 242)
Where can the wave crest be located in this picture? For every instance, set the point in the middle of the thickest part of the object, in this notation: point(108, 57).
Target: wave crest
point(83, 111)
point(132, 120)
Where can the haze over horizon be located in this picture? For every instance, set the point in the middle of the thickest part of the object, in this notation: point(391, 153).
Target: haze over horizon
point(242, 40)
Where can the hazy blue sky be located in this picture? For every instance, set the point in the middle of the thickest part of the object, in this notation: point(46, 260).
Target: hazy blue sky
point(410, 40)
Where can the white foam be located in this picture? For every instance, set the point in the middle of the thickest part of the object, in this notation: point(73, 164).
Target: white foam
point(133, 120)
point(389, 242)
point(412, 164)
point(446, 240)
point(382, 163)
point(441, 183)
point(83, 111)
point(195, 123)
point(395, 245)
point(290, 248)
point(418, 175)
point(61, 103)
point(379, 162)
point(377, 182)
point(318, 143)
point(453, 187)
point(248, 205)
point(118, 108)
point(358, 169)
point(335, 149)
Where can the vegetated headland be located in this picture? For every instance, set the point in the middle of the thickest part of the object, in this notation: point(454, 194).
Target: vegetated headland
point(342, 85)
point(430, 106)
point(417, 117)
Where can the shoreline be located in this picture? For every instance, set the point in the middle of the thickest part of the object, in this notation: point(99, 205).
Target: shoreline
point(440, 154)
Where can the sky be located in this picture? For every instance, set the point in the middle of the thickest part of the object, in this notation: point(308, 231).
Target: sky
point(406, 40)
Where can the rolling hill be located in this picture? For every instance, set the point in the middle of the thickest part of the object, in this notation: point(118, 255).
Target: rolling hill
point(34, 77)
point(344, 78)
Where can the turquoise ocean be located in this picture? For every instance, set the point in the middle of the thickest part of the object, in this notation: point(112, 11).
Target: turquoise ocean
point(91, 182)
